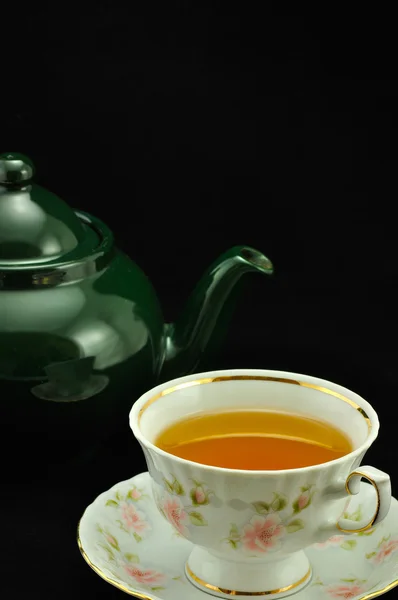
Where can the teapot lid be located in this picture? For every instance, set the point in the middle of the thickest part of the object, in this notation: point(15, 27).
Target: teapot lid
point(35, 225)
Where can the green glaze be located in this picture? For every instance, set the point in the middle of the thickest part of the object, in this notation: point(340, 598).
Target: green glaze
point(82, 334)
point(200, 324)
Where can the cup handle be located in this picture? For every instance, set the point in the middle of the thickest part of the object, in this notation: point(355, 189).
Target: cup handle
point(382, 485)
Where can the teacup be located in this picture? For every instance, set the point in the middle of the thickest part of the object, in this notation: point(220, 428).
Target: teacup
point(249, 529)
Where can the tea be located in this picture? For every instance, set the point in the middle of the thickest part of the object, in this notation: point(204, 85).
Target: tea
point(254, 440)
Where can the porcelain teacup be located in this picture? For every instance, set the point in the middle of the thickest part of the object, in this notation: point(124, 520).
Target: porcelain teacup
point(249, 529)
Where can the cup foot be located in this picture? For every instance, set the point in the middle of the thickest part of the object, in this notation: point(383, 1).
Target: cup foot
point(226, 579)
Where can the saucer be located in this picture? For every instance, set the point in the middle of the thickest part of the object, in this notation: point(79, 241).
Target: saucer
point(126, 541)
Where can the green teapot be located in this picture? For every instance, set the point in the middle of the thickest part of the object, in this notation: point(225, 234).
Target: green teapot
point(81, 329)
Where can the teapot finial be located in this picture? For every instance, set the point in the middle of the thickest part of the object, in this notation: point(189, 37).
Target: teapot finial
point(35, 225)
point(15, 169)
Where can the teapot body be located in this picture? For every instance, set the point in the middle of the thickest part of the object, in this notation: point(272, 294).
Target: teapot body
point(81, 330)
point(74, 357)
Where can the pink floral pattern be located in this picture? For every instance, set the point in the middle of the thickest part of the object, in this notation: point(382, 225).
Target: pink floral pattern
point(303, 500)
point(347, 590)
point(112, 541)
point(174, 511)
point(199, 495)
point(275, 517)
point(259, 534)
point(335, 540)
point(135, 494)
point(130, 561)
point(343, 541)
point(385, 550)
point(179, 513)
point(133, 519)
point(262, 534)
point(147, 577)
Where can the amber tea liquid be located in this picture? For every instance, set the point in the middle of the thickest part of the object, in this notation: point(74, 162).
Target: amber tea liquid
point(254, 440)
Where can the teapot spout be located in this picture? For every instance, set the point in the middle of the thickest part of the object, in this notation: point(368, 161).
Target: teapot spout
point(199, 328)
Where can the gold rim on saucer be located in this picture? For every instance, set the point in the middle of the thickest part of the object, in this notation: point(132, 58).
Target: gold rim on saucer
point(143, 596)
point(105, 577)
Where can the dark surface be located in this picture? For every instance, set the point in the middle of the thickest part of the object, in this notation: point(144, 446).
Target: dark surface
point(187, 132)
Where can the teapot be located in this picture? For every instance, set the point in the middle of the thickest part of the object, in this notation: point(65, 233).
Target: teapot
point(81, 329)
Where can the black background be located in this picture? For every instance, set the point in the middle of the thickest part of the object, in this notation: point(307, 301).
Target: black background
point(189, 130)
